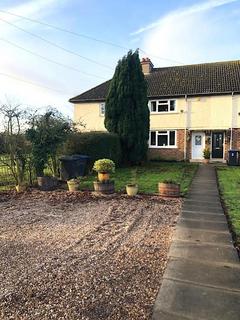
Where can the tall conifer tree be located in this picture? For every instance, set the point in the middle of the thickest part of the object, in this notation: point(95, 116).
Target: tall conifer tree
point(127, 112)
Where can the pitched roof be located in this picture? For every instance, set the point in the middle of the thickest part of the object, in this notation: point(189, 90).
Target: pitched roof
point(196, 79)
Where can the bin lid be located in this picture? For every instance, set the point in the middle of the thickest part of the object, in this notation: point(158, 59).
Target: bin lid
point(80, 156)
point(233, 150)
point(74, 157)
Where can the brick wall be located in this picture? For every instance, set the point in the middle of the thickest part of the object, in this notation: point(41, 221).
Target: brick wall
point(236, 139)
point(169, 153)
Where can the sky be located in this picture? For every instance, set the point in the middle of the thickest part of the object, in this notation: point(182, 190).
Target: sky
point(169, 32)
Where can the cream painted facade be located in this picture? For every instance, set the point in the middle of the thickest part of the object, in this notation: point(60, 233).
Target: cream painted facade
point(220, 112)
point(89, 115)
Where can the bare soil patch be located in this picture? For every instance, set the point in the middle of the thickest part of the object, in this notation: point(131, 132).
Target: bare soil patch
point(80, 256)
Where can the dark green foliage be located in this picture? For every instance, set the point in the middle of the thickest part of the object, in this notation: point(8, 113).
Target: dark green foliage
point(47, 133)
point(127, 112)
point(2, 143)
point(97, 145)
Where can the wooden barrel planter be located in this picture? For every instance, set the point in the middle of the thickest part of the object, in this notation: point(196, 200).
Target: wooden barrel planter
point(106, 187)
point(169, 190)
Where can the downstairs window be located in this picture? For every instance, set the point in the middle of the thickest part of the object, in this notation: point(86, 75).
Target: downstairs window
point(162, 139)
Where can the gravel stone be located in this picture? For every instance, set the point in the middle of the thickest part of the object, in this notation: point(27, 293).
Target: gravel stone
point(82, 256)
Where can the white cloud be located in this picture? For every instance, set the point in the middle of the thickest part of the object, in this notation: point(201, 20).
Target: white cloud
point(29, 8)
point(194, 34)
point(25, 67)
point(179, 14)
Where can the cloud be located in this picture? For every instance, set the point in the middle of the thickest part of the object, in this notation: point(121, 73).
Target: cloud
point(29, 8)
point(181, 13)
point(200, 33)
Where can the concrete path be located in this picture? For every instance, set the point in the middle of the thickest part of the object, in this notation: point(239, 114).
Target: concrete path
point(202, 279)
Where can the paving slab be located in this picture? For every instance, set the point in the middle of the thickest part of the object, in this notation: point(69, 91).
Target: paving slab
point(203, 197)
point(203, 225)
point(218, 217)
point(203, 251)
point(202, 192)
point(208, 236)
point(222, 276)
point(161, 315)
point(202, 278)
point(209, 203)
point(196, 302)
point(203, 208)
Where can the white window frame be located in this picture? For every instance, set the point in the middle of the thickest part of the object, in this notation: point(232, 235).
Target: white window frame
point(159, 132)
point(101, 107)
point(162, 102)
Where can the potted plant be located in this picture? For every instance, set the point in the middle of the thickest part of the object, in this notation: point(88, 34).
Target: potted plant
point(47, 182)
point(73, 184)
point(206, 155)
point(104, 167)
point(132, 187)
point(169, 188)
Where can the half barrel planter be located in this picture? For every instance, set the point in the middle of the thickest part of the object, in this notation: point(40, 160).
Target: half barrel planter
point(171, 190)
point(106, 187)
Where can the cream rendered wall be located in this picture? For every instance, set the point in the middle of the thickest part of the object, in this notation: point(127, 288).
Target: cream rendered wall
point(213, 112)
point(89, 114)
point(173, 120)
point(236, 111)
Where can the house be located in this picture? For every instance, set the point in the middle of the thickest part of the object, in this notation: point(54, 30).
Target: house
point(191, 107)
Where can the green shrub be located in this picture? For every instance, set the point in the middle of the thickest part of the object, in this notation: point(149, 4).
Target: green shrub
point(104, 165)
point(97, 145)
point(2, 144)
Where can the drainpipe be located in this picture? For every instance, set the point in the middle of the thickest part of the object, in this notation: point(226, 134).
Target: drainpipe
point(231, 136)
point(185, 130)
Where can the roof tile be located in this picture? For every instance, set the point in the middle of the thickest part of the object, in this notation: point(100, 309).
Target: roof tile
point(206, 78)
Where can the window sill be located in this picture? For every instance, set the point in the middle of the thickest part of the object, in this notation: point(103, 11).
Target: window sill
point(172, 112)
point(167, 147)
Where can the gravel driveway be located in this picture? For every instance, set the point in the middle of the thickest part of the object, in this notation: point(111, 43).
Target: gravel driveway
point(79, 256)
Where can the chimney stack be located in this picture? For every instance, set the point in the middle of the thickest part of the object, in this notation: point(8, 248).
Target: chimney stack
point(147, 66)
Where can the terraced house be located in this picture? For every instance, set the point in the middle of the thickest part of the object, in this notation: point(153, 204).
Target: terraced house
point(191, 107)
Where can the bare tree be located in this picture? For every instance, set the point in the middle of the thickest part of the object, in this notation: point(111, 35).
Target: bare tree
point(14, 120)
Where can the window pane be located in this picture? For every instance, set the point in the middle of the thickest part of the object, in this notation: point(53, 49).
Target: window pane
point(162, 132)
point(162, 140)
point(153, 106)
point(153, 138)
point(198, 140)
point(102, 109)
point(172, 138)
point(163, 108)
point(172, 105)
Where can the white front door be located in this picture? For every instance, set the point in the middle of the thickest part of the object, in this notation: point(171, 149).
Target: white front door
point(198, 145)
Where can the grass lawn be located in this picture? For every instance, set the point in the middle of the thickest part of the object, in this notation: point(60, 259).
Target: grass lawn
point(148, 176)
point(229, 181)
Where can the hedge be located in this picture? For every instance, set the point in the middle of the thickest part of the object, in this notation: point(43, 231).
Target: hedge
point(97, 145)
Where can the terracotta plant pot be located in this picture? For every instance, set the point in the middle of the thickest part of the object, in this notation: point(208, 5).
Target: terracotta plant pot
point(206, 161)
point(132, 189)
point(104, 187)
point(73, 186)
point(169, 190)
point(103, 176)
point(47, 183)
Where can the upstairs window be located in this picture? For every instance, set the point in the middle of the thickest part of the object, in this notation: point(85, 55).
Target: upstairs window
point(162, 139)
point(158, 106)
point(102, 109)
